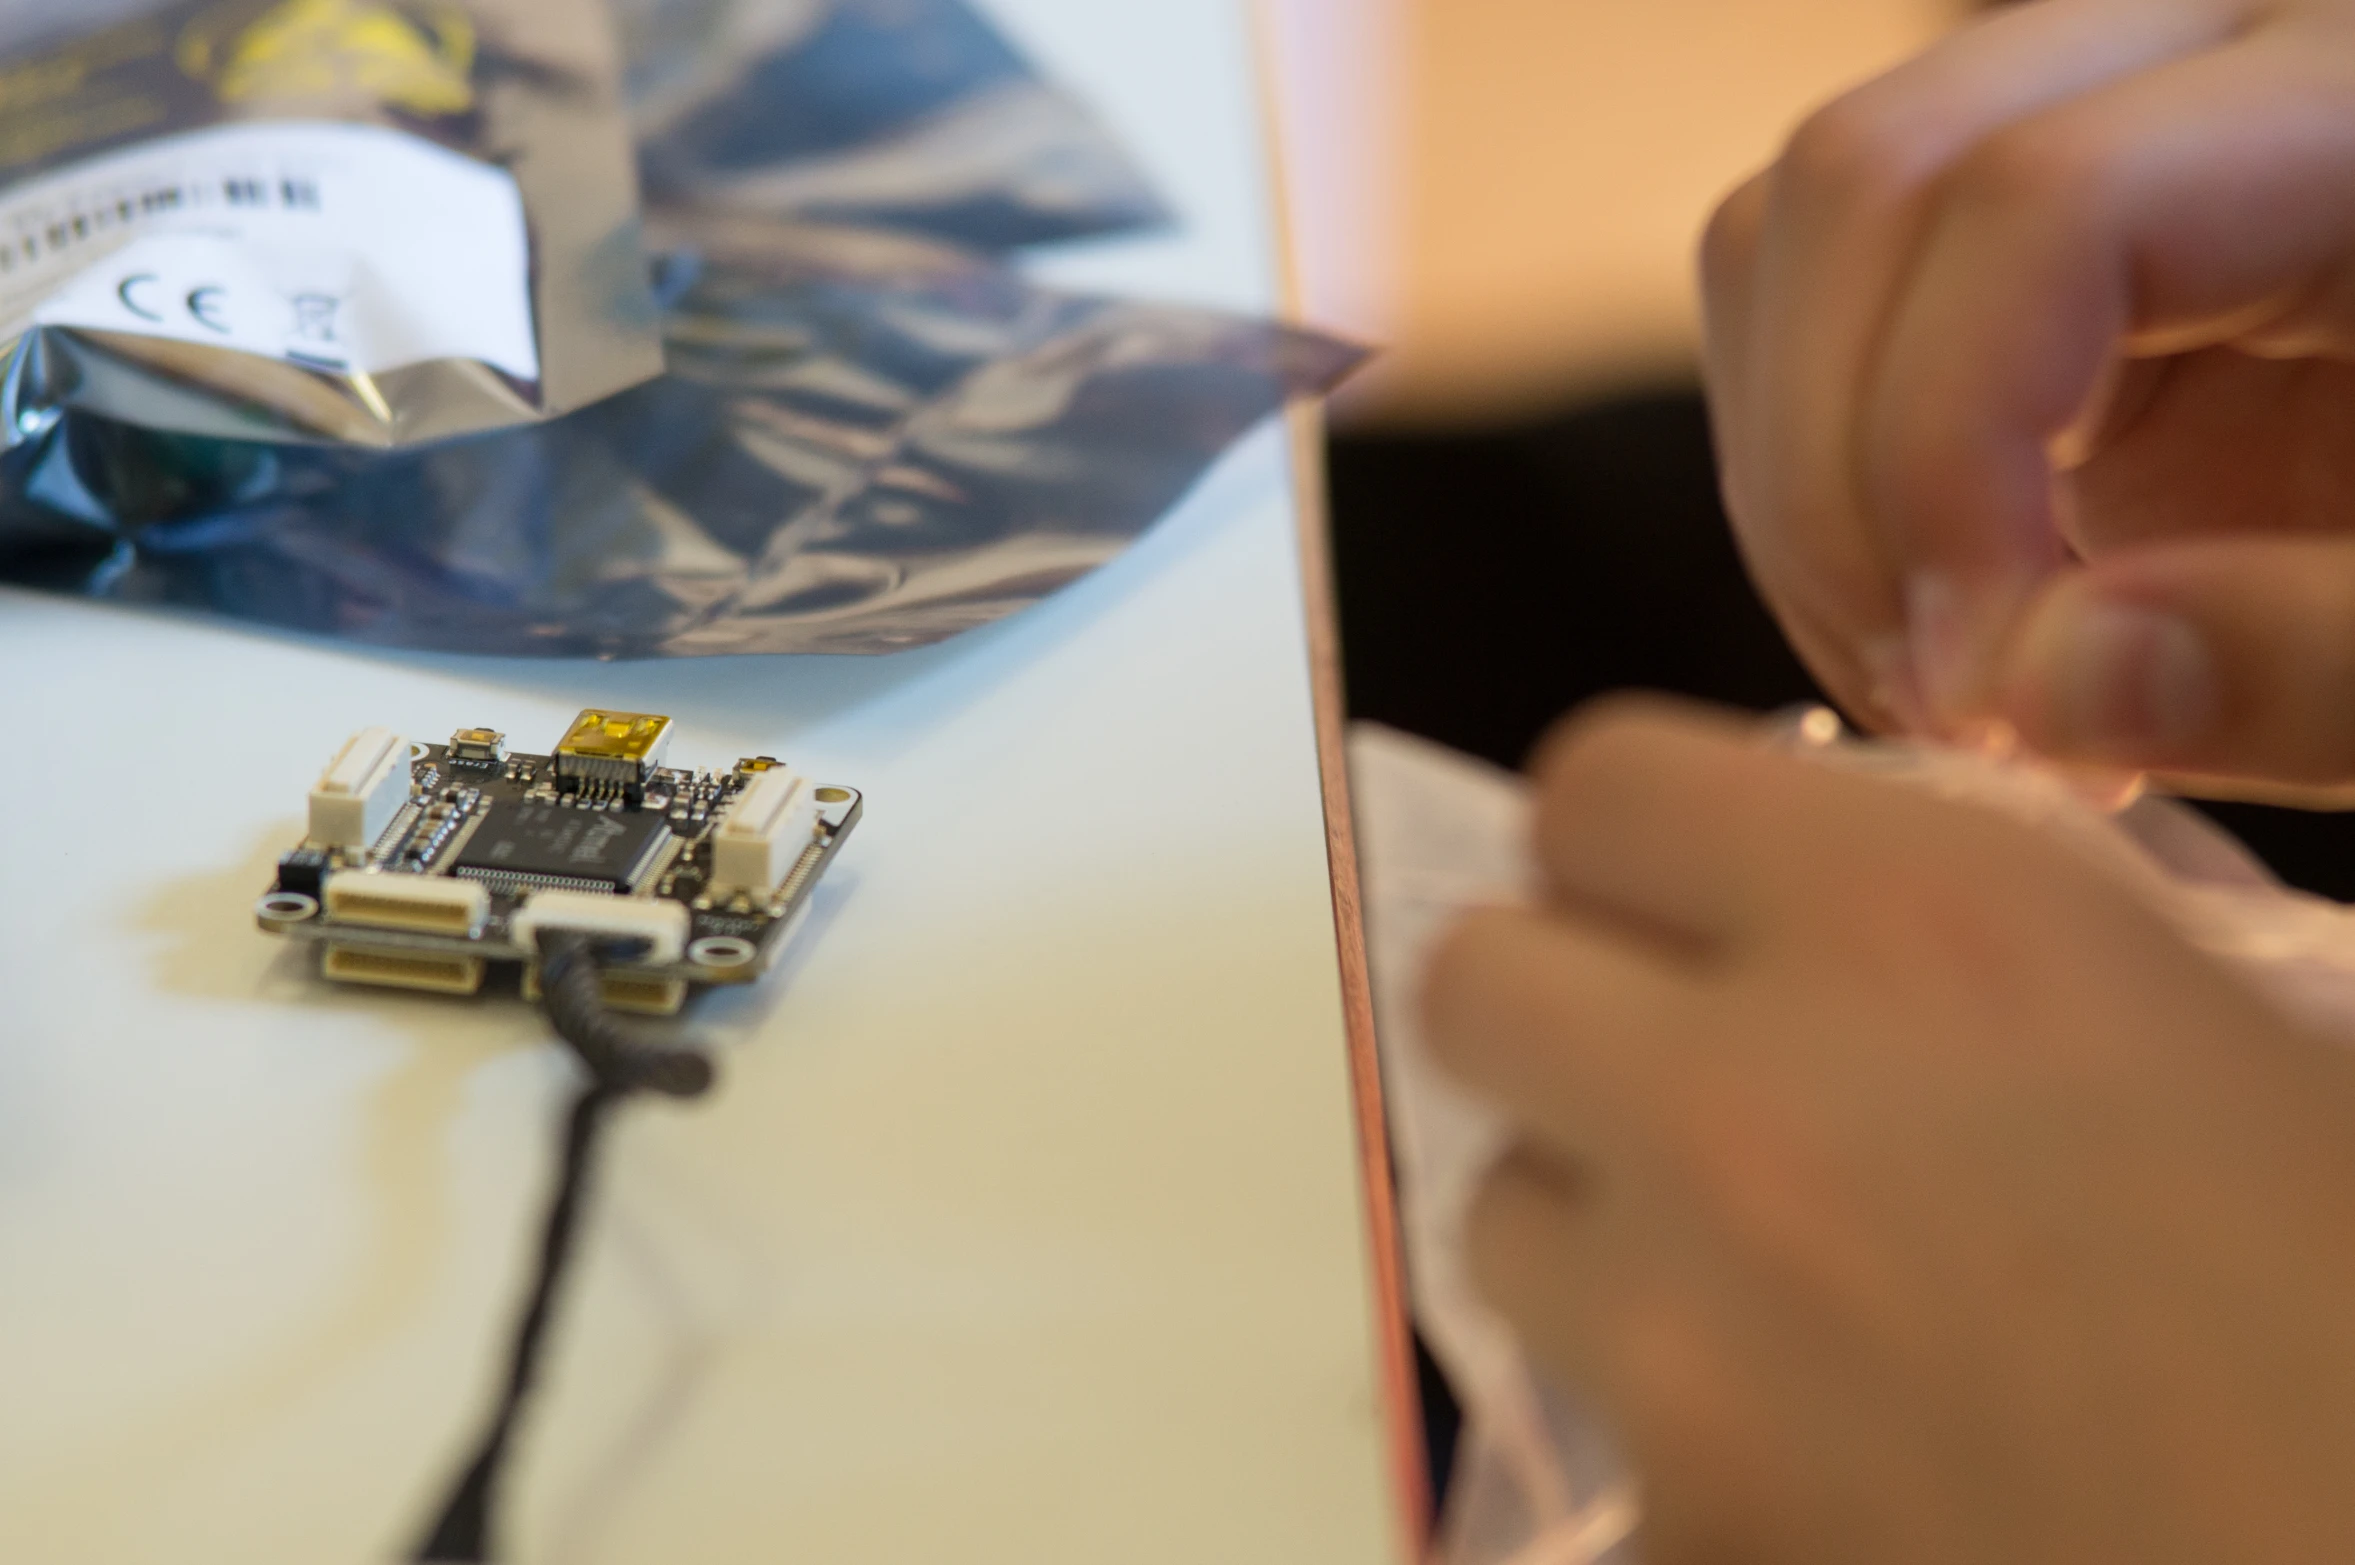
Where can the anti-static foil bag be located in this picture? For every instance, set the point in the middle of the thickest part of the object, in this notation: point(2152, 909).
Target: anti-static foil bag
point(874, 433)
point(853, 452)
point(909, 115)
point(363, 222)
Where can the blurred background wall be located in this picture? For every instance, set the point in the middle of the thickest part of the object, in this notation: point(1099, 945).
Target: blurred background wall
point(1506, 192)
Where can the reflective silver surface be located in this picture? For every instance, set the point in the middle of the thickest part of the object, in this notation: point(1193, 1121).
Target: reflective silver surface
point(839, 462)
point(875, 433)
point(542, 100)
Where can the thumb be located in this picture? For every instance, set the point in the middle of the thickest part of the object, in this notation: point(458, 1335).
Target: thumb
point(2231, 658)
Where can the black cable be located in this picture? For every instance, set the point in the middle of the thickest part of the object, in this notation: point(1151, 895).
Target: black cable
point(464, 1529)
point(622, 1057)
point(620, 1053)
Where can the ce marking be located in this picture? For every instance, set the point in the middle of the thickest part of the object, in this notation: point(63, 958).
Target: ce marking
point(137, 292)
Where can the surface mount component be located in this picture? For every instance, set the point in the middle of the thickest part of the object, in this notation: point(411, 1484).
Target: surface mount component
point(430, 902)
point(551, 843)
point(402, 969)
point(354, 799)
point(431, 866)
point(759, 840)
point(623, 748)
point(661, 924)
point(477, 747)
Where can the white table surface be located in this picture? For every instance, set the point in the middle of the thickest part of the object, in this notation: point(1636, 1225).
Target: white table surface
point(1026, 1224)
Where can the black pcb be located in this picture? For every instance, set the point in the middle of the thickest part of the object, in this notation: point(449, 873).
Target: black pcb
point(543, 843)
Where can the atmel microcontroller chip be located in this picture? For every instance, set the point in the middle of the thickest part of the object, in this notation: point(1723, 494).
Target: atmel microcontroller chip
point(561, 845)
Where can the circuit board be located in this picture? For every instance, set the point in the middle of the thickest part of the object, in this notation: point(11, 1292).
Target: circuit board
point(428, 865)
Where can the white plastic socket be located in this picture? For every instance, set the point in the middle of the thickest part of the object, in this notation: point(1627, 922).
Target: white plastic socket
point(662, 925)
point(765, 832)
point(361, 791)
point(435, 904)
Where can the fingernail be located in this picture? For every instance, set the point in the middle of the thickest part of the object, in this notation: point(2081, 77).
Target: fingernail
point(2105, 789)
point(1894, 694)
point(1956, 637)
point(1951, 637)
point(2125, 681)
point(1933, 627)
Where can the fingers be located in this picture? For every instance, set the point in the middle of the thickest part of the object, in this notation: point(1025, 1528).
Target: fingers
point(1531, 1241)
point(1637, 800)
point(1673, 820)
point(1846, 209)
point(2057, 244)
point(1571, 1026)
point(2218, 442)
point(2228, 656)
point(1607, 1302)
point(1729, 265)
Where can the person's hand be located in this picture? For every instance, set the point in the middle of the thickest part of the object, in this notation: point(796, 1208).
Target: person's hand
point(1902, 1188)
point(2030, 364)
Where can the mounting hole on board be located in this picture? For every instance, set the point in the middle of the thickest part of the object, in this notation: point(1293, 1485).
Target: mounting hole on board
point(721, 951)
point(280, 908)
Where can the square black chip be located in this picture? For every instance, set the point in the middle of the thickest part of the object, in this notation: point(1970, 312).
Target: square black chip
point(562, 846)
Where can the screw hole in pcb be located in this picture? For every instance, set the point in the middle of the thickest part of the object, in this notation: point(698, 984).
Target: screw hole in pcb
point(721, 951)
point(287, 907)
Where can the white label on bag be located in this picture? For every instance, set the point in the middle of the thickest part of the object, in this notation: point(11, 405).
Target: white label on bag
point(350, 248)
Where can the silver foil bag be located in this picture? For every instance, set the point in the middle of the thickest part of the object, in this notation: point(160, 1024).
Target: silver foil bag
point(870, 438)
point(365, 222)
point(842, 459)
point(911, 115)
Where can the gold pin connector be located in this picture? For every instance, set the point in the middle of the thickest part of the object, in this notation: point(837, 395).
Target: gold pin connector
point(402, 970)
point(613, 747)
